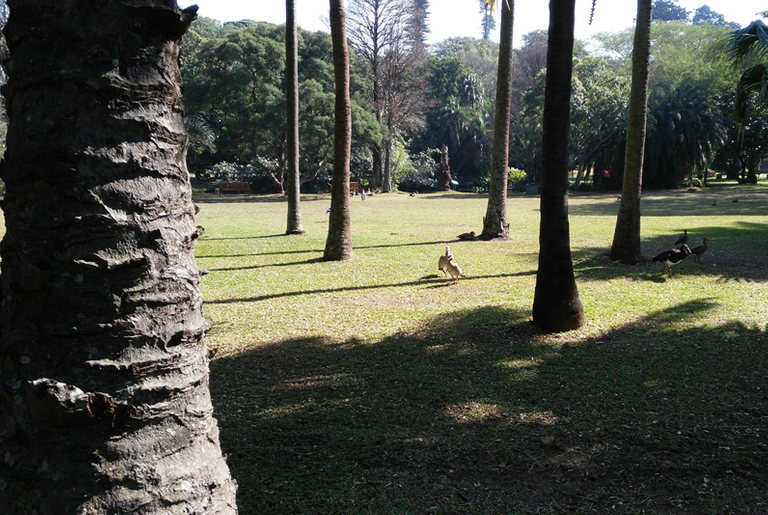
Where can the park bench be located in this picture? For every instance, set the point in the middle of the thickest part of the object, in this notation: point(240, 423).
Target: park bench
point(234, 187)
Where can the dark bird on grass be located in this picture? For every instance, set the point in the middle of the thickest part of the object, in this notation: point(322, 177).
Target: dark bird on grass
point(683, 238)
point(698, 251)
point(714, 202)
point(735, 200)
point(467, 236)
point(672, 257)
point(328, 211)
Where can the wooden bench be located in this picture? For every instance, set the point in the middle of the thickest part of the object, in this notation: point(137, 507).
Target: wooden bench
point(234, 187)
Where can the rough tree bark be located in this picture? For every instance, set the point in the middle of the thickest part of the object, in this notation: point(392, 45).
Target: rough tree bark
point(338, 245)
point(104, 398)
point(495, 224)
point(626, 236)
point(556, 303)
point(294, 225)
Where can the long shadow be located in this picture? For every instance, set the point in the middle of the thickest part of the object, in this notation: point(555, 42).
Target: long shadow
point(320, 251)
point(707, 203)
point(477, 413)
point(735, 252)
point(433, 280)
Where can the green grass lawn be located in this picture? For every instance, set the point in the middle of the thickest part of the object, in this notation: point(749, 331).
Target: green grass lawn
point(372, 386)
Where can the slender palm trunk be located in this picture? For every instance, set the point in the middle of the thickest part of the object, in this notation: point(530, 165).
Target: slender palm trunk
point(626, 236)
point(556, 304)
point(105, 405)
point(294, 225)
point(338, 245)
point(495, 222)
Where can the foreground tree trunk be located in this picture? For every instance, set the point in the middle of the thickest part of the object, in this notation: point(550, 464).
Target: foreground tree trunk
point(338, 245)
point(495, 224)
point(556, 303)
point(294, 225)
point(104, 405)
point(626, 236)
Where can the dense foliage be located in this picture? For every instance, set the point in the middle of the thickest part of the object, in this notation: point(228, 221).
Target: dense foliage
point(236, 102)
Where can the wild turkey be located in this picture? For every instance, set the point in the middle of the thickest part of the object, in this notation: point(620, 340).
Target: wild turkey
point(672, 257)
point(683, 238)
point(698, 251)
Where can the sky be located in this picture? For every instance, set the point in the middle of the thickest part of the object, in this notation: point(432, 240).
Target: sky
point(458, 18)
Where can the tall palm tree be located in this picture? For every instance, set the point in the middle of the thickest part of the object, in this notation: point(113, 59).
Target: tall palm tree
point(495, 222)
point(626, 236)
point(338, 245)
point(294, 225)
point(556, 303)
point(105, 405)
point(752, 40)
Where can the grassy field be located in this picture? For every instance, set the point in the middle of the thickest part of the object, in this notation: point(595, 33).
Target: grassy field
point(372, 386)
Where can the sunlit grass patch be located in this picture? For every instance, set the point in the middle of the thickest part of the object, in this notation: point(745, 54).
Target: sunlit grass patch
point(372, 386)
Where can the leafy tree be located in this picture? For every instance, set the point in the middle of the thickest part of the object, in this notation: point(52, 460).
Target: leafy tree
point(529, 60)
point(748, 43)
point(338, 244)
point(239, 84)
point(679, 50)
point(381, 32)
point(668, 10)
point(745, 146)
point(495, 221)
point(556, 303)
point(685, 133)
point(626, 236)
point(105, 404)
point(487, 22)
point(420, 23)
point(294, 225)
point(481, 56)
point(457, 116)
point(705, 15)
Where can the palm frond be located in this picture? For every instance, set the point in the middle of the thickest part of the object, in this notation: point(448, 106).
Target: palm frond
point(751, 40)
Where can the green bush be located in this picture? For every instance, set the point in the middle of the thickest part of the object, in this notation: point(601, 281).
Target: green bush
point(516, 179)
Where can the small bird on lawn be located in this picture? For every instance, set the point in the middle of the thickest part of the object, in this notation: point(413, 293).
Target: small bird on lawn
point(362, 195)
point(683, 238)
point(467, 236)
point(698, 251)
point(672, 257)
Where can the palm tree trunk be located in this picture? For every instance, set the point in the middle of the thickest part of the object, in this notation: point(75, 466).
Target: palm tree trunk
point(105, 406)
point(294, 225)
point(338, 245)
point(495, 224)
point(626, 236)
point(556, 304)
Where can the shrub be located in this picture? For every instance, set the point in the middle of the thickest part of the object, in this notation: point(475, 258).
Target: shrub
point(516, 179)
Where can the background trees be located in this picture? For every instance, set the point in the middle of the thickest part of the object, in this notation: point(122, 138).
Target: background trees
point(237, 83)
point(408, 99)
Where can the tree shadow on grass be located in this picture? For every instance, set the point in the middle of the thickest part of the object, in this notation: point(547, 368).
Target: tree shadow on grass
point(432, 280)
point(478, 412)
point(735, 253)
